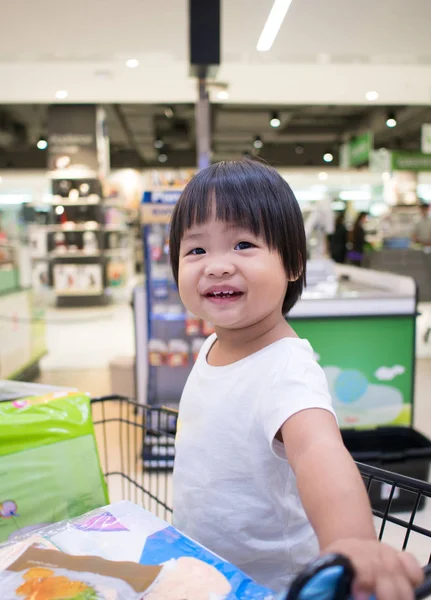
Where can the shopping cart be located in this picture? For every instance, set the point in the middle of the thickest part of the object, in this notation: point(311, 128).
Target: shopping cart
point(136, 445)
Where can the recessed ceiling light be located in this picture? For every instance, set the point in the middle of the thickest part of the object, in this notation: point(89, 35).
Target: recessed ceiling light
point(169, 112)
point(162, 157)
point(372, 95)
point(42, 144)
point(328, 157)
point(158, 143)
point(275, 120)
point(132, 63)
point(61, 94)
point(273, 24)
point(299, 149)
point(222, 95)
point(323, 176)
point(59, 210)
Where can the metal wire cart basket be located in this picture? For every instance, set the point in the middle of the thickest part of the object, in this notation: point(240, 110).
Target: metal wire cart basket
point(136, 445)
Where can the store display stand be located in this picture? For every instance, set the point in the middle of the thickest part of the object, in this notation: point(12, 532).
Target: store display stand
point(85, 244)
point(172, 337)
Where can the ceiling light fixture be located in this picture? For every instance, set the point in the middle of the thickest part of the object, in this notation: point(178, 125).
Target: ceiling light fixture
point(162, 158)
point(299, 149)
point(222, 95)
point(42, 144)
point(391, 120)
point(169, 112)
point(328, 157)
point(275, 120)
point(61, 95)
point(132, 63)
point(372, 95)
point(273, 23)
point(158, 143)
point(59, 210)
point(258, 142)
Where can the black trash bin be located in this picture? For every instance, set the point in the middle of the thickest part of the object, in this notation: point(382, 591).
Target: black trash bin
point(400, 450)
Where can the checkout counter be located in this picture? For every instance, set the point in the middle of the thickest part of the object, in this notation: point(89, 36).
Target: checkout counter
point(22, 324)
point(361, 324)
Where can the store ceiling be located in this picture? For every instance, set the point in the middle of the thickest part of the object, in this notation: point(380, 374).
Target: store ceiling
point(327, 52)
point(305, 133)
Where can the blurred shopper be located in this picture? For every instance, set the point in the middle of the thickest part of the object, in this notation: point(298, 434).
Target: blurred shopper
point(338, 240)
point(422, 231)
point(356, 254)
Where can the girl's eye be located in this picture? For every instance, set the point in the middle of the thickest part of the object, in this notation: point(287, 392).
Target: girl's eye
point(196, 251)
point(243, 246)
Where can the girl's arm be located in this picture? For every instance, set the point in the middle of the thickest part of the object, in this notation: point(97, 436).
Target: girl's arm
point(329, 483)
point(337, 505)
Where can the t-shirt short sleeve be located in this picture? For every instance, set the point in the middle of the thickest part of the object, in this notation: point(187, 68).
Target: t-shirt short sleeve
point(300, 385)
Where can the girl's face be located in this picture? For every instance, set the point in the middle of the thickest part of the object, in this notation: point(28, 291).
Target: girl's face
point(228, 276)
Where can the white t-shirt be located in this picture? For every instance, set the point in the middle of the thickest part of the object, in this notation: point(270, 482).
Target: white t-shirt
point(234, 490)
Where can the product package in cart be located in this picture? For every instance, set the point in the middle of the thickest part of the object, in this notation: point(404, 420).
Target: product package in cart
point(127, 533)
point(44, 441)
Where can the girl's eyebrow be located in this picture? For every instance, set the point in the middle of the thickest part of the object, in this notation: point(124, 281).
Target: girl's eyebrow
point(190, 236)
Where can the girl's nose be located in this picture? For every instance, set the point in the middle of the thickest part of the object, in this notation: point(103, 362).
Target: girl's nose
point(219, 268)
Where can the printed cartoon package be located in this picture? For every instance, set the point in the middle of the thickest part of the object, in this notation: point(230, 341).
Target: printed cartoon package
point(45, 441)
point(51, 575)
point(126, 532)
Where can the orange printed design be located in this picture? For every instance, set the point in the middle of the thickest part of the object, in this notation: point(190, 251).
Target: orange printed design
point(42, 584)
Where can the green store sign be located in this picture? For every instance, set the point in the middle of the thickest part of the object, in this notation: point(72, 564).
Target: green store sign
point(358, 151)
point(410, 161)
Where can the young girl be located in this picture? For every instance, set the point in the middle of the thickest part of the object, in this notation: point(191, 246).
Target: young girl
point(262, 477)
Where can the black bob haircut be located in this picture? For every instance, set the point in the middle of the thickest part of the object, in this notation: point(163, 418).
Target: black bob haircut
point(247, 193)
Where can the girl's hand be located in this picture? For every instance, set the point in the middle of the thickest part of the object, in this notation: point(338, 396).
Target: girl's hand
point(380, 570)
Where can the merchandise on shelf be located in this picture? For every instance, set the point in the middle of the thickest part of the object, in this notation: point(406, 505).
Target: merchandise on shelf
point(85, 244)
point(175, 336)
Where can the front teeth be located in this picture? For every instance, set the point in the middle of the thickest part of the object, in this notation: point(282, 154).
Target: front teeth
point(227, 293)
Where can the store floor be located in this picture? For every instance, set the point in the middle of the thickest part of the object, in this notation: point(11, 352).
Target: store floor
point(82, 343)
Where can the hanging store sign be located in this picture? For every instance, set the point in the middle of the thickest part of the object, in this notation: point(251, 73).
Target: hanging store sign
point(77, 140)
point(410, 161)
point(360, 149)
point(357, 152)
point(426, 138)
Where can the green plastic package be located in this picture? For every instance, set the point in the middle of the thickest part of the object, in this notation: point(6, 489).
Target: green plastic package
point(49, 463)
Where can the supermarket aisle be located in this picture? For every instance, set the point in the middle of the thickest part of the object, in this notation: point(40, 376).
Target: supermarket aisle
point(82, 342)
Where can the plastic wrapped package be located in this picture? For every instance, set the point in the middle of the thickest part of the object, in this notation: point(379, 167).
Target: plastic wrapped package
point(126, 532)
point(44, 442)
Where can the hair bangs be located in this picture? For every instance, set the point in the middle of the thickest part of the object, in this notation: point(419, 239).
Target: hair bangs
point(236, 197)
point(251, 195)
